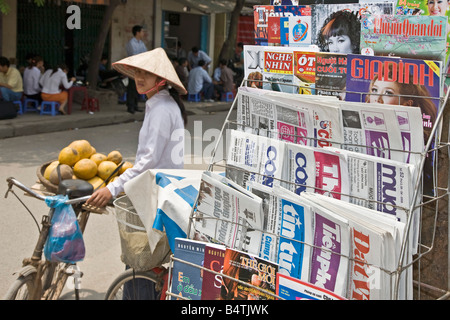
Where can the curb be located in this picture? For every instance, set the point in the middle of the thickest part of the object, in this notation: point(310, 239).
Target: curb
point(34, 123)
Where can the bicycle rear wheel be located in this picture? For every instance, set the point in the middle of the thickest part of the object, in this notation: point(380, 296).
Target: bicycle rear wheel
point(21, 288)
point(134, 285)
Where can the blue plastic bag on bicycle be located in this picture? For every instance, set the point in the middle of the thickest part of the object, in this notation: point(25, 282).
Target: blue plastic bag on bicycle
point(65, 240)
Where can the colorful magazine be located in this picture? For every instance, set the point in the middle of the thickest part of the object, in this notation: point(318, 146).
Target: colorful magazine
point(415, 37)
point(260, 16)
point(296, 2)
point(427, 8)
point(305, 70)
point(299, 31)
point(272, 68)
point(416, 7)
point(274, 31)
point(212, 282)
point(331, 74)
point(258, 274)
point(186, 279)
point(332, 22)
point(386, 77)
point(280, 21)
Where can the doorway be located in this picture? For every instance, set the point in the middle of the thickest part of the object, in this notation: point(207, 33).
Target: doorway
point(189, 29)
point(42, 31)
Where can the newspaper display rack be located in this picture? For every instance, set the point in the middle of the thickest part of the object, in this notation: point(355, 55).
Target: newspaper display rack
point(343, 199)
point(395, 274)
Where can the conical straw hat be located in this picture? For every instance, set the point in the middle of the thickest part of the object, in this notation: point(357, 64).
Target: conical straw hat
point(154, 61)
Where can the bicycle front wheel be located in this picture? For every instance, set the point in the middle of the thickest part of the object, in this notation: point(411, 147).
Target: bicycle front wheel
point(21, 288)
point(134, 285)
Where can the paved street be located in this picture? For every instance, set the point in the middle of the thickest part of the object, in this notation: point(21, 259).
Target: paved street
point(21, 156)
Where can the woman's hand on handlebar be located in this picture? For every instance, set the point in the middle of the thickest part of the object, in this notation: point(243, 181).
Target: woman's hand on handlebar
point(100, 198)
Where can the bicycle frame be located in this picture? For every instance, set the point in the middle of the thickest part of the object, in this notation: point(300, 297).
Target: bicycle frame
point(35, 264)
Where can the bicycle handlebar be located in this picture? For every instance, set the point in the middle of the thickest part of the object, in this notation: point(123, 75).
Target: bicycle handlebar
point(12, 181)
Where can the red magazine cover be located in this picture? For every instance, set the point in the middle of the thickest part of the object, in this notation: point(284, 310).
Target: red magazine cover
point(305, 69)
point(212, 282)
point(273, 30)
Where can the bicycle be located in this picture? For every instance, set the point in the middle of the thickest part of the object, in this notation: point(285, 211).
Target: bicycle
point(40, 279)
point(132, 284)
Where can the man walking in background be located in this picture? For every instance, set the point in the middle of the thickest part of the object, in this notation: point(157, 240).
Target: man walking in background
point(135, 46)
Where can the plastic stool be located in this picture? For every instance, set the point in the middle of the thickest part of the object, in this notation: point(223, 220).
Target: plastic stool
point(49, 107)
point(194, 97)
point(19, 103)
point(34, 105)
point(90, 104)
point(227, 96)
point(123, 99)
point(85, 104)
point(93, 105)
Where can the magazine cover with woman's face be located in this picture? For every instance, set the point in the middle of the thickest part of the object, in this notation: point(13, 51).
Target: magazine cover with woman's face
point(335, 24)
point(395, 81)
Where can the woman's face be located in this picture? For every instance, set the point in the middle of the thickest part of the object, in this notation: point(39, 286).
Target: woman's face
point(383, 92)
point(437, 7)
point(340, 44)
point(144, 80)
point(255, 76)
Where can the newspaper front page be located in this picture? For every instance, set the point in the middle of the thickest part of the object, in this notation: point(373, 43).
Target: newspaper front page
point(377, 280)
point(309, 119)
point(228, 214)
point(371, 130)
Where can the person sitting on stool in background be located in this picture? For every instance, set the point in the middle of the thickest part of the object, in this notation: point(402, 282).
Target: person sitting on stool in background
point(134, 46)
point(200, 82)
point(51, 83)
point(194, 57)
point(31, 76)
point(11, 85)
point(225, 83)
point(182, 71)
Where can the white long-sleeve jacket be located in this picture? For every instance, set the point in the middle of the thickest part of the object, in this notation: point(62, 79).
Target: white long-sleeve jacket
point(51, 83)
point(161, 140)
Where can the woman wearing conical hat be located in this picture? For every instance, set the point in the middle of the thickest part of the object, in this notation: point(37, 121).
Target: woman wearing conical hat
point(161, 138)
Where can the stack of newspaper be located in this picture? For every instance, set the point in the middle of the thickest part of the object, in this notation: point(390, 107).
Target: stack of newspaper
point(324, 121)
point(372, 182)
point(228, 214)
point(312, 159)
point(342, 247)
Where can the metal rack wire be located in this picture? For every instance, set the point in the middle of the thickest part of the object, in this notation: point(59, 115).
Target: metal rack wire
point(434, 147)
